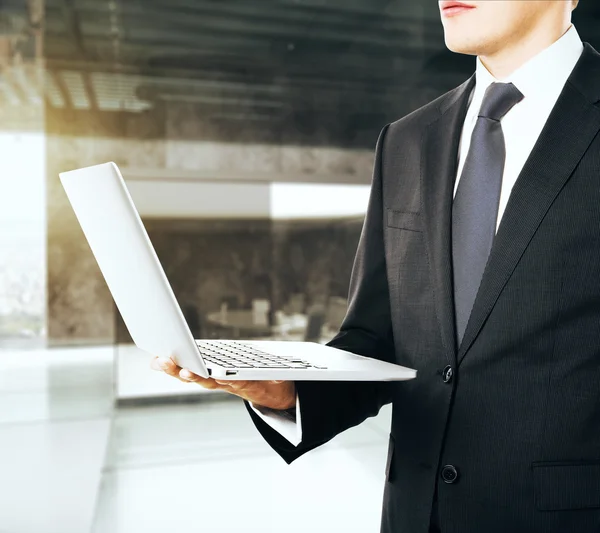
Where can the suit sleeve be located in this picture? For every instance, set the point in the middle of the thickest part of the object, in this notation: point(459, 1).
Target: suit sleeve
point(329, 408)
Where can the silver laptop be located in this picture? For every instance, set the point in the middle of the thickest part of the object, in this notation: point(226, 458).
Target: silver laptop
point(153, 317)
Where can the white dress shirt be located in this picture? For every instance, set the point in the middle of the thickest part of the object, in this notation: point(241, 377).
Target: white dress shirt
point(541, 80)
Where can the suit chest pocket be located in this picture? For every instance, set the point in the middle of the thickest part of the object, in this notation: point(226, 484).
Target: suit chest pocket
point(403, 220)
point(406, 256)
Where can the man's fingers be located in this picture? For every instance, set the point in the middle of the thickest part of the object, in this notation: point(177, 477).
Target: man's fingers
point(184, 373)
point(190, 377)
point(185, 376)
point(268, 393)
point(167, 366)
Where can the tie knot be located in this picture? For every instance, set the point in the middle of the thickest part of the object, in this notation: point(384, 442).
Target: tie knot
point(499, 99)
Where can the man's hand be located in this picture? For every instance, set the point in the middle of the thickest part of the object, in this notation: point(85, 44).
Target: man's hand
point(278, 395)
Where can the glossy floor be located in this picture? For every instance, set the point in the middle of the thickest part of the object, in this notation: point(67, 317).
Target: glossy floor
point(71, 462)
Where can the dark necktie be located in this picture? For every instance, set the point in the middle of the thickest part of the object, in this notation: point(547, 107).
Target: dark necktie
point(475, 208)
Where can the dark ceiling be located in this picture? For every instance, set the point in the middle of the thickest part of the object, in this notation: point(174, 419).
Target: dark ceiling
point(337, 69)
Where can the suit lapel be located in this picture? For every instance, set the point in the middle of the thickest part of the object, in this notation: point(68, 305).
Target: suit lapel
point(439, 161)
point(572, 126)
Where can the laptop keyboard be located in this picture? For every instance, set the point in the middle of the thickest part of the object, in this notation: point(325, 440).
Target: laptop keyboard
point(241, 355)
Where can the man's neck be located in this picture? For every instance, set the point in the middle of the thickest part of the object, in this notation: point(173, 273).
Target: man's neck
point(508, 59)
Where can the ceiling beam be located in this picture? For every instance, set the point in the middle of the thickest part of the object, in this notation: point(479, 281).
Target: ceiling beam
point(62, 87)
point(89, 90)
point(146, 20)
point(278, 14)
point(210, 59)
point(73, 25)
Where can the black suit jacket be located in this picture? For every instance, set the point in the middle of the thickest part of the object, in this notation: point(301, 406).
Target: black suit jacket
point(520, 420)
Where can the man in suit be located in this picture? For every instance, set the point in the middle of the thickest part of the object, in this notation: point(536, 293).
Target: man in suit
point(478, 266)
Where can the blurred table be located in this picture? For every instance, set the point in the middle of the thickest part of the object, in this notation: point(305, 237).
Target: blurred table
point(242, 323)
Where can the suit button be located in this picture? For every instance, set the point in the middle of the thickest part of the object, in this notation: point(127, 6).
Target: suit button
point(447, 374)
point(449, 474)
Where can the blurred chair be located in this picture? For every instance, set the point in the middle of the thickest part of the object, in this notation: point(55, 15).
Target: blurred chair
point(261, 311)
point(232, 301)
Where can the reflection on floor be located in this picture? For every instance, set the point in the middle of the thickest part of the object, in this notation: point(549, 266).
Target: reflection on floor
point(55, 412)
point(70, 462)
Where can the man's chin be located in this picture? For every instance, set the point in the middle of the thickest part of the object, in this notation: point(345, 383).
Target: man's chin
point(459, 46)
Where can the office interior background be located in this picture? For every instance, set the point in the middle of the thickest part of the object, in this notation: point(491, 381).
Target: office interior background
point(245, 132)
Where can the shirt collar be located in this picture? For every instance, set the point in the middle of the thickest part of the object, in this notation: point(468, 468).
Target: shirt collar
point(543, 76)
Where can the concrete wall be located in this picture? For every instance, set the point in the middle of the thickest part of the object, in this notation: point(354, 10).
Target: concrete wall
point(80, 308)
